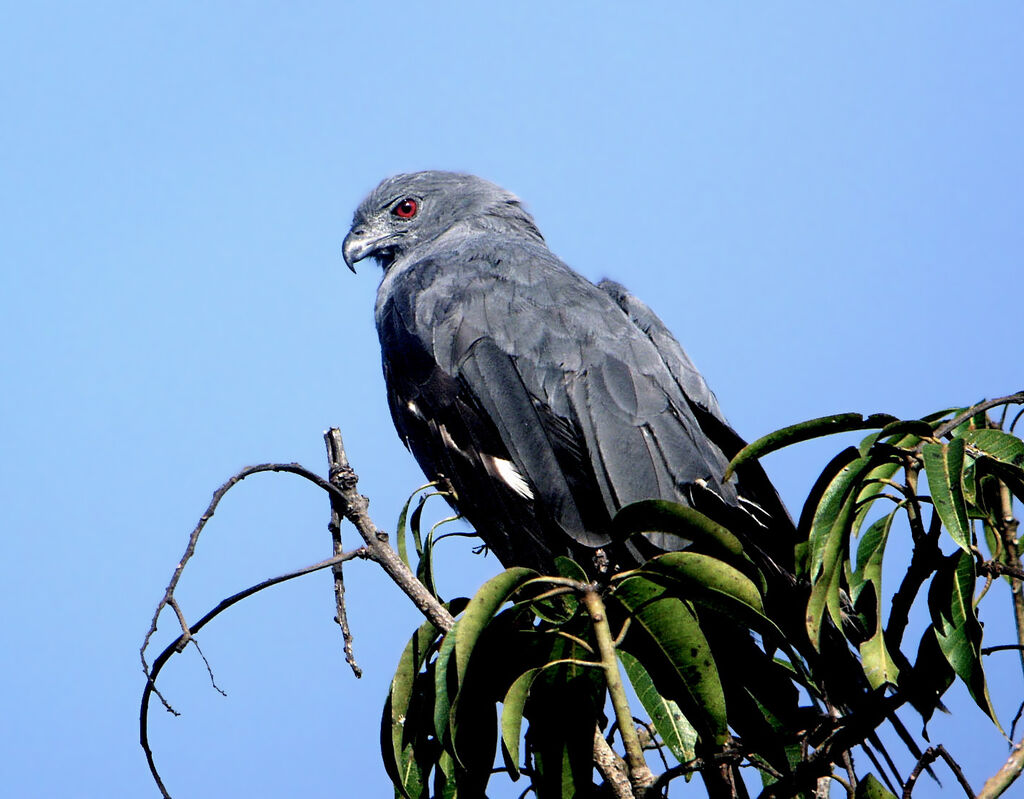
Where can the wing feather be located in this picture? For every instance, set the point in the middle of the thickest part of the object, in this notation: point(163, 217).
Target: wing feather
point(580, 389)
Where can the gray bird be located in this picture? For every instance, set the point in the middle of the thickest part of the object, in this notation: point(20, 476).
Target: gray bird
point(545, 402)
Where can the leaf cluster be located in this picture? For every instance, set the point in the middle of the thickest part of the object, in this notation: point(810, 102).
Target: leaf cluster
point(730, 663)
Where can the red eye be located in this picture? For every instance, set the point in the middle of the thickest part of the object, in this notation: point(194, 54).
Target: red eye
point(405, 209)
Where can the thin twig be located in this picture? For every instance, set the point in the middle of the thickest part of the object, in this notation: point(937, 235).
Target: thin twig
point(193, 539)
point(1016, 721)
point(190, 630)
point(929, 756)
point(952, 424)
point(209, 669)
point(341, 612)
point(732, 757)
point(355, 507)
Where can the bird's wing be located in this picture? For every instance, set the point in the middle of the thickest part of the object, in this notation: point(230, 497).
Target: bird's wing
point(757, 494)
point(690, 380)
point(524, 358)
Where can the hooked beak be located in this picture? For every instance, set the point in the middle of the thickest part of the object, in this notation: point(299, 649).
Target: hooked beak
point(359, 243)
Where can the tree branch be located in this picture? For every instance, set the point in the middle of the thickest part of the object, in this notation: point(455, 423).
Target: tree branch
point(355, 507)
point(640, 776)
point(930, 755)
point(1003, 779)
point(981, 407)
point(1007, 529)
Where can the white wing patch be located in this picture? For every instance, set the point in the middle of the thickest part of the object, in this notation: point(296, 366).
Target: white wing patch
point(505, 470)
point(414, 410)
point(449, 442)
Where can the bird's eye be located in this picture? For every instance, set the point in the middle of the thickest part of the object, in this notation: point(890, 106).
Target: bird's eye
point(405, 209)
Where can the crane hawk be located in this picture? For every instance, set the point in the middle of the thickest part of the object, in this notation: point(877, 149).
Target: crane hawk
point(545, 402)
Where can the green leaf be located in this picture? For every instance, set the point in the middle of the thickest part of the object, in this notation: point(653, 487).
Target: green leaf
point(805, 431)
point(559, 609)
point(400, 528)
point(1001, 455)
point(828, 543)
point(870, 788)
point(406, 765)
point(879, 666)
point(405, 726)
point(709, 581)
point(944, 465)
point(1003, 447)
point(445, 687)
point(445, 784)
point(931, 676)
point(481, 609)
point(885, 449)
point(676, 732)
point(957, 629)
point(671, 632)
point(424, 568)
point(407, 747)
point(661, 516)
point(564, 707)
point(906, 432)
point(512, 719)
point(567, 567)
point(473, 731)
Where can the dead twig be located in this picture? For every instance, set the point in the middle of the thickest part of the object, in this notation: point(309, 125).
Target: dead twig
point(189, 632)
point(929, 756)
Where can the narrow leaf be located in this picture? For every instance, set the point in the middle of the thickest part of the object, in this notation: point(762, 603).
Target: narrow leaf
point(805, 431)
point(870, 788)
point(957, 629)
point(442, 682)
point(944, 465)
point(1003, 447)
point(676, 732)
point(661, 516)
point(512, 718)
point(828, 543)
point(481, 609)
point(711, 582)
point(878, 664)
point(671, 631)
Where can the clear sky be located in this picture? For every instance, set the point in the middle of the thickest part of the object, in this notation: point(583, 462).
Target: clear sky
point(823, 201)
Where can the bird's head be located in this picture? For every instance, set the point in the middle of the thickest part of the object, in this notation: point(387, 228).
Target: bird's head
point(406, 211)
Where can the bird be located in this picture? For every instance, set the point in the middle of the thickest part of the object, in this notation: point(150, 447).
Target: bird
point(543, 402)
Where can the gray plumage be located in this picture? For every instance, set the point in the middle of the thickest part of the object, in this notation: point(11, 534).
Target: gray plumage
point(546, 402)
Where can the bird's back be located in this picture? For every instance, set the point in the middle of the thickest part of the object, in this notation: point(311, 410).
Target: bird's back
point(543, 402)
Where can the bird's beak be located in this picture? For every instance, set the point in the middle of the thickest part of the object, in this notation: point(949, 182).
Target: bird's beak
point(359, 243)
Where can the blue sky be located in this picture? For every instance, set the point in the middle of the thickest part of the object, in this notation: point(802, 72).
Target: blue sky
point(823, 202)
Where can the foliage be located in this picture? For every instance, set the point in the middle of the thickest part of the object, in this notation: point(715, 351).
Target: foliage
point(740, 653)
point(733, 664)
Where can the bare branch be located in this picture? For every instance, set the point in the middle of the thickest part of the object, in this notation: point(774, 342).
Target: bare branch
point(930, 755)
point(190, 631)
point(611, 767)
point(341, 612)
point(218, 495)
point(355, 507)
point(1002, 779)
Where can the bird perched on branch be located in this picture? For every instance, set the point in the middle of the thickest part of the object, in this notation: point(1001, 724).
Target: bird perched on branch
point(545, 402)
